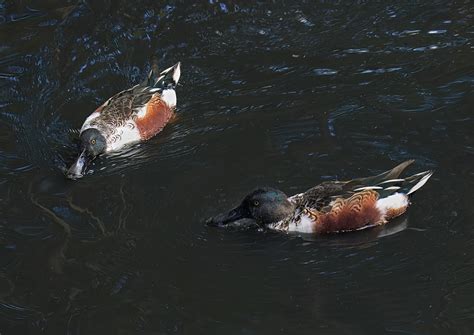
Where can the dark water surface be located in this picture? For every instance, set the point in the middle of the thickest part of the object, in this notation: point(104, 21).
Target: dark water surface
point(281, 94)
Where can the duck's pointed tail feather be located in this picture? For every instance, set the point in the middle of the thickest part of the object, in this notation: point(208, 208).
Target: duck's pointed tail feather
point(375, 180)
point(394, 194)
point(389, 182)
point(152, 75)
point(418, 180)
point(167, 78)
point(404, 186)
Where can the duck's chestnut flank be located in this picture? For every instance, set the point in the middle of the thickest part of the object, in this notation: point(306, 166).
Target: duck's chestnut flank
point(358, 211)
point(158, 114)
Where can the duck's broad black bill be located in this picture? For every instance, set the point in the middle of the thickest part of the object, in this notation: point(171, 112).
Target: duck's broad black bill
point(93, 143)
point(78, 168)
point(226, 219)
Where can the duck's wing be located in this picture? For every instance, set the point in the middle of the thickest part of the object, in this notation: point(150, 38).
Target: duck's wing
point(320, 196)
point(383, 177)
point(129, 103)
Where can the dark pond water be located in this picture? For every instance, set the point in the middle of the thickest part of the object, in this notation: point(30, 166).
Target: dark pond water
point(277, 94)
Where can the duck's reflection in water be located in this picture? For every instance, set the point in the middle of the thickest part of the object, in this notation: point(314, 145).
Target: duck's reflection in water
point(359, 238)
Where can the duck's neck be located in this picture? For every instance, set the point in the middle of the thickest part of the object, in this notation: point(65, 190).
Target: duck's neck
point(285, 215)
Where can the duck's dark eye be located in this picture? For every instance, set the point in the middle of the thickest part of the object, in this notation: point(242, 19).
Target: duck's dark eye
point(93, 141)
point(256, 203)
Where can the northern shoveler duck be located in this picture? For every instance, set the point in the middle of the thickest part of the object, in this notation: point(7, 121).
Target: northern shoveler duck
point(130, 116)
point(331, 207)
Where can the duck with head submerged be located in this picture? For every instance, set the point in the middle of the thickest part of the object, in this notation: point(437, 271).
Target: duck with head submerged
point(130, 116)
point(331, 207)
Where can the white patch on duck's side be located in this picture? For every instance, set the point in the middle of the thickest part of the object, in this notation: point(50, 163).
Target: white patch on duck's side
point(87, 122)
point(142, 111)
point(304, 225)
point(394, 201)
point(123, 136)
point(280, 225)
point(169, 97)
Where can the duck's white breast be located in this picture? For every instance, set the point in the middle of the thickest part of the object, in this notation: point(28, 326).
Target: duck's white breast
point(123, 136)
point(305, 224)
point(169, 97)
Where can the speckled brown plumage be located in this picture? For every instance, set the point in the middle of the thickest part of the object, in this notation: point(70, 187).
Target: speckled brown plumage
point(121, 108)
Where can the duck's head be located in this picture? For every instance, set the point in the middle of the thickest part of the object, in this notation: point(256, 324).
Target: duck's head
point(263, 206)
point(93, 143)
